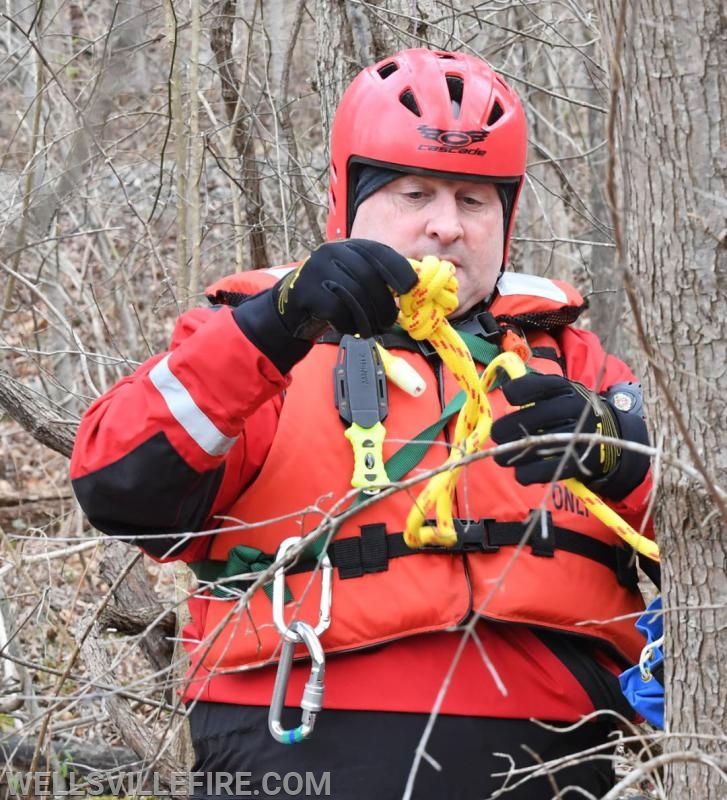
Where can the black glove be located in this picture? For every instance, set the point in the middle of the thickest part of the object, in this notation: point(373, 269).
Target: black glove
point(553, 404)
point(345, 284)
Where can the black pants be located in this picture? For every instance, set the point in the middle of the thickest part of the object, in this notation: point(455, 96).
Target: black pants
point(355, 755)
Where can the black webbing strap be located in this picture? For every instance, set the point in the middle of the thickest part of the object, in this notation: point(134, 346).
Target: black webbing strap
point(355, 556)
point(481, 350)
point(651, 569)
point(394, 337)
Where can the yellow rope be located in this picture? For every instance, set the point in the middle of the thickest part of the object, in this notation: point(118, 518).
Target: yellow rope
point(423, 313)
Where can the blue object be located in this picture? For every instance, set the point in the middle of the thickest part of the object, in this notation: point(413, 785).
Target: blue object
point(642, 684)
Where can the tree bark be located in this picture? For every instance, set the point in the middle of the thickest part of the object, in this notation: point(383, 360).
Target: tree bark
point(335, 62)
point(35, 416)
point(241, 118)
point(670, 156)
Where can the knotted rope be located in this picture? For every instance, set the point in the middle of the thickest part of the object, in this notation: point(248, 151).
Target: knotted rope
point(423, 314)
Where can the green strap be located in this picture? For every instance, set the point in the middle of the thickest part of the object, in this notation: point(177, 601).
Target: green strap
point(481, 350)
point(410, 454)
point(243, 559)
point(240, 560)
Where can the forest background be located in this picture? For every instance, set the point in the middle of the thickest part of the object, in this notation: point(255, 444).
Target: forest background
point(148, 148)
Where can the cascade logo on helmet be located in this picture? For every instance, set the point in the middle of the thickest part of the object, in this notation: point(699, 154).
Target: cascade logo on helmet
point(452, 138)
point(461, 151)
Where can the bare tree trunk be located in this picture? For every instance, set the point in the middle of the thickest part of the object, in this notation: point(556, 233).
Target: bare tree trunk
point(335, 63)
point(154, 754)
point(670, 156)
point(241, 117)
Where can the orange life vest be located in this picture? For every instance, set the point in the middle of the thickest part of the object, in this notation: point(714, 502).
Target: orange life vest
point(567, 576)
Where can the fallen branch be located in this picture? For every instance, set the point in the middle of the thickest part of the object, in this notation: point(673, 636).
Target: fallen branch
point(82, 756)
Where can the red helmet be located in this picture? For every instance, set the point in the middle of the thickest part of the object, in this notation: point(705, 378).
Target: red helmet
point(432, 112)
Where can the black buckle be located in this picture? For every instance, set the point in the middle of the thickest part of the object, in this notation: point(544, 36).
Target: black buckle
point(473, 536)
point(483, 324)
point(542, 533)
point(491, 330)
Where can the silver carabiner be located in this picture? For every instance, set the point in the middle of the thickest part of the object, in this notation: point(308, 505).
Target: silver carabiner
point(312, 700)
point(294, 634)
point(324, 617)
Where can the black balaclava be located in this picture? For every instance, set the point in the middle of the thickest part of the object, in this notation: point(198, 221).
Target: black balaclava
point(370, 179)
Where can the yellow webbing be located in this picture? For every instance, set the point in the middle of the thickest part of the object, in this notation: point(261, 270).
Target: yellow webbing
point(423, 314)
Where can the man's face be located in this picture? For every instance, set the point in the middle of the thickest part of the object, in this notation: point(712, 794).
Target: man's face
point(457, 221)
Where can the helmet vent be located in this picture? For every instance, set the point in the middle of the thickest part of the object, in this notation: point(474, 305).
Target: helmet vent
point(495, 114)
point(387, 69)
point(408, 100)
point(455, 84)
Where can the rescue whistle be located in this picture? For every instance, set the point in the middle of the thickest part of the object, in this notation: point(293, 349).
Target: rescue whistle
point(362, 401)
point(401, 373)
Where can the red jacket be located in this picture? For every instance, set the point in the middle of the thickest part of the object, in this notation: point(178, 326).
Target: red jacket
point(209, 437)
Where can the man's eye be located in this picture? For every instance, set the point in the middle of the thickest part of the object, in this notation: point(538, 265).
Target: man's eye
point(415, 195)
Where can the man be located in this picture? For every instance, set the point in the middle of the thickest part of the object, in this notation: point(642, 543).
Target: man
point(237, 433)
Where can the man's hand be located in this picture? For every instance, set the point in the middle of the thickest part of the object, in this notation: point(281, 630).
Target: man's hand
point(553, 404)
point(346, 285)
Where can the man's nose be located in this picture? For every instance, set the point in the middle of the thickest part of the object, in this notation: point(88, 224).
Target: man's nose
point(444, 223)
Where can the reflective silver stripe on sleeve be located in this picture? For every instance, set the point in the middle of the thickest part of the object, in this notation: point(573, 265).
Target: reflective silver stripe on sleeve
point(187, 413)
